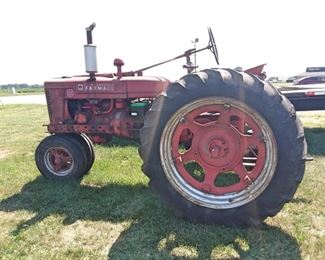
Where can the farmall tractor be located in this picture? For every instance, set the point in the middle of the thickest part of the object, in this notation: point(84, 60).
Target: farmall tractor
point(219, 145)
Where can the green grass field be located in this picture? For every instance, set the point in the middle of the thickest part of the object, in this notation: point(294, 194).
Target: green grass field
point(112, 214)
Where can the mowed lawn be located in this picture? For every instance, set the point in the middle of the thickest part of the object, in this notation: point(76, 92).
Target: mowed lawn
point(112, 214)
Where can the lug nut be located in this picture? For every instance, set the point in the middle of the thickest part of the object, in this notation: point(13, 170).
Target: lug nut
point(182, 120)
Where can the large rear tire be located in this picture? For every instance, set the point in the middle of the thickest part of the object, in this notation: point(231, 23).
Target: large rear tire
point(223, 147)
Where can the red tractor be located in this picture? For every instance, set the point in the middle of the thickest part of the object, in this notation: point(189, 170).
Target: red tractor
point(219, 146)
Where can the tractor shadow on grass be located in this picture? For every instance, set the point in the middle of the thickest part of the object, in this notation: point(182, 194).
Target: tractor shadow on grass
point(316, 140)
point(154, 233)
point(121, 142)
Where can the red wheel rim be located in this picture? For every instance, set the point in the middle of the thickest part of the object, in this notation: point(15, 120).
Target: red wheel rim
point(218, 150)
point(219, 144)
point(59, 160)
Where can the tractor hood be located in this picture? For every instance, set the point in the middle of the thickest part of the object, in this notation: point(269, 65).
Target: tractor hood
point(104, 87)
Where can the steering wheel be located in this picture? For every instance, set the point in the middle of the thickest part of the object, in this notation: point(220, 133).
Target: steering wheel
point(212, 45)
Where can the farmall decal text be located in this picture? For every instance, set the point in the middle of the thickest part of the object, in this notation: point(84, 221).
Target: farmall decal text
point(95, 87)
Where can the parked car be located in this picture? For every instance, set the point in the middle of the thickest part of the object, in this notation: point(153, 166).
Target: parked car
point(309, 80)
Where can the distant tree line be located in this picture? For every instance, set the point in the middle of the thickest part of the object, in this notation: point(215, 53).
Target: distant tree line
point(20, 86)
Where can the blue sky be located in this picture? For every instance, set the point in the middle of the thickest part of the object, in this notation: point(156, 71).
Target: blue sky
point(44, 39)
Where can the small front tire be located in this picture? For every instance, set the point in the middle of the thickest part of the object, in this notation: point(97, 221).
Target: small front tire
point(60, 158)
point(86, 146)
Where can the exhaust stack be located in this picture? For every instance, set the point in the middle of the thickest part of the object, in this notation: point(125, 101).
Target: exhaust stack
point(90, 53)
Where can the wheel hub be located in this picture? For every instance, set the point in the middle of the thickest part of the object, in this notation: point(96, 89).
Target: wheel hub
point(218, 146)
point(58, 160)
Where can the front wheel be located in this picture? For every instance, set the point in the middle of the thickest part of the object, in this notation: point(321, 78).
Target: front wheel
point(215, 147)
point(86, 147)
point(61, 158)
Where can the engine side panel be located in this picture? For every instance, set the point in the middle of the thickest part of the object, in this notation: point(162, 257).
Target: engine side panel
point(102, 106)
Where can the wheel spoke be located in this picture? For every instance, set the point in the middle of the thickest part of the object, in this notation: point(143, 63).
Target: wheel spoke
point(239, 124)
point(186, 123)
point(66, 159)
point(55, 159)
point(191, 125)
point(241, 171)
point(57, 165)
point(55, 153)
point(209, 179)
point(245, 179)
point(255, 140)
point(60, 160)
point(251, 141)
point(224, 117)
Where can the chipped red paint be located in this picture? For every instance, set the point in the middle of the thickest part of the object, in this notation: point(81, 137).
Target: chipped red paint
point(258, 71)
point(101, 106)
point(219, 144)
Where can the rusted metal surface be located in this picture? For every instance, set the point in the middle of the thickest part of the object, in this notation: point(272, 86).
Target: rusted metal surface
point(220, 143)
point(59, 160)
point(101, 106)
